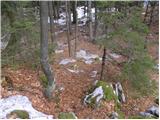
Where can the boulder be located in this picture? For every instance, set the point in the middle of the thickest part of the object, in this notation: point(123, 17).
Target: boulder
point(145, 114)
point(65, 115)
point(102, 91)
point(95, 97)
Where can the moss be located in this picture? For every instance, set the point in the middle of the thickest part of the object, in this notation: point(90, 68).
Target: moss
point(69, 115)
point(43, 80)
point(20, 114)
point(108, 91)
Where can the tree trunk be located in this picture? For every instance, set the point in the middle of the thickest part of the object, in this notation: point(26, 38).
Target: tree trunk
point(74, 12)
point(103, 64)
point(152, 10)
point(51, 22)
point(68, 30)
point(146, 12)
point(96, 23)
point(69, 14)
point(90, 21)
point(44, 49)
point(76, 30)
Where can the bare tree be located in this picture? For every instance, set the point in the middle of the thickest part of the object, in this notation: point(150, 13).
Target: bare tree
point(96, 21)
point(44, 49)
point(52, 29)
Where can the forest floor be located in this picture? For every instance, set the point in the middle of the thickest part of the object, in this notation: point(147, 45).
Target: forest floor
point(73, 87)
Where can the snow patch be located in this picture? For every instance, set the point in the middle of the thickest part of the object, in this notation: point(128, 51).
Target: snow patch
point(19, 102)
point(93, 74)
point(66, 61)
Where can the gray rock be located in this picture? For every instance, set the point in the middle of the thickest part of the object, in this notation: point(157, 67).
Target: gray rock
point(114, 115)
point(146, 114)
point(119, 92)
point(153, 110)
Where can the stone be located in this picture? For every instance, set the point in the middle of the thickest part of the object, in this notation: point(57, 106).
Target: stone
point(93, 74)
point(114, 115)
point(154, 110)
point(95, 97)
point(65, 115)
point(145, 114)
point(119, 92)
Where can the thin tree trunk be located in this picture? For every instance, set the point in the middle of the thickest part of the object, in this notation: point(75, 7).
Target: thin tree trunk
point(146, 12)
point(103, 64)
point(96, 23)
point(52, 29)
point(76, 30)
point(44, 49)
point(152, 10)
point(74, 12)
point(90, 21)
point(68, 32)
point(69, 14)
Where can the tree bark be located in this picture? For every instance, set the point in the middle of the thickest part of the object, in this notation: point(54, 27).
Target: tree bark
point(152, 10)
point(90, 21)
point(103, 64)
point(74, 12)
point(76, 30)
point(68, 30)
point(146, 12)
point(44, 49)
point(96, 23)
point(52, 29)
point(69, 14)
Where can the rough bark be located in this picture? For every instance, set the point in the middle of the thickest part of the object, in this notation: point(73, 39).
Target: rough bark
point(146, 12)
point(69, 16)
point(44, 49)
point(51, 21)
point(74, 12)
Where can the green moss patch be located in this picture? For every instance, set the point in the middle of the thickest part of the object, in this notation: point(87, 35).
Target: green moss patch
point(64, 115)
point(20, 114)
point(108, 91)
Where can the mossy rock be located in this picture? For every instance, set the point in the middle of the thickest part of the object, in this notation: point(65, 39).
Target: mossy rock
point(108, 91)
point(22, 114)
point(65, 115)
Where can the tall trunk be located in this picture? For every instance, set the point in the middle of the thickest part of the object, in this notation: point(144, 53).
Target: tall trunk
point(90, 21)
point(74, 12)
point(51, 21)
point(103, 64)
point(68, 32)
point(152, 10)
point(69, 15)
point(96, 22)
point(146, 12)
point(44, 49)
point(76, 30)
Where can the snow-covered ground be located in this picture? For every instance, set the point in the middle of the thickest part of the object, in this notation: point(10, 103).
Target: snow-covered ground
point(19, 102)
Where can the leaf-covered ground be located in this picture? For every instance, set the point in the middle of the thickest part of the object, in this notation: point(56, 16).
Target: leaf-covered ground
point(73, 87)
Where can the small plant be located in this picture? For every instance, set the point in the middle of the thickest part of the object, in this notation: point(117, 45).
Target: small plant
point(43, 80)
point(22, 114)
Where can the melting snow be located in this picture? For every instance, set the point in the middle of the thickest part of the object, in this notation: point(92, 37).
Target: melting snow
point(19, 102)
point(66, 61)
